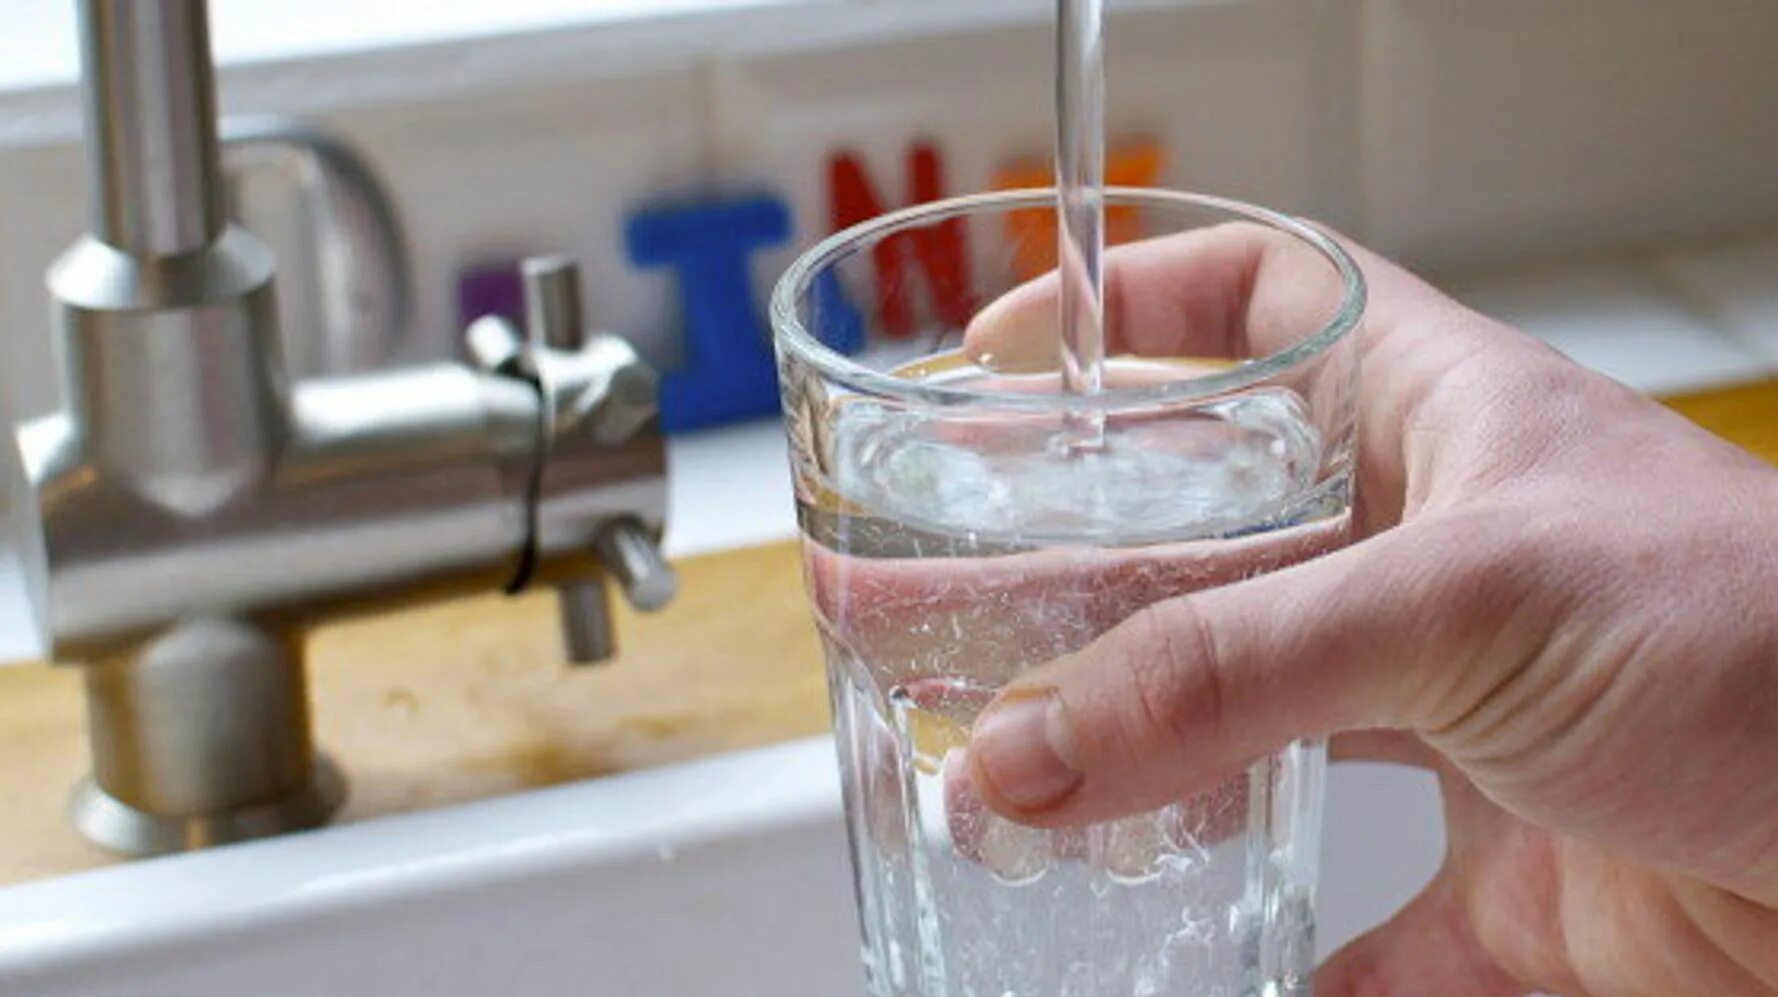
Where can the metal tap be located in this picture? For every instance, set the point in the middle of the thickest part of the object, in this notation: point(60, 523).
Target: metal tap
point(194, 510)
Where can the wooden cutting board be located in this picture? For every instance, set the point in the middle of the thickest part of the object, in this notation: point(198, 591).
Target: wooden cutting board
point(469, 699)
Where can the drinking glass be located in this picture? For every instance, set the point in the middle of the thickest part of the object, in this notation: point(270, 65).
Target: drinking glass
point(964, 519)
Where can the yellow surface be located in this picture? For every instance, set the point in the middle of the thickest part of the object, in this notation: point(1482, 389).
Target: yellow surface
point(469, 699)
point(1746, 415)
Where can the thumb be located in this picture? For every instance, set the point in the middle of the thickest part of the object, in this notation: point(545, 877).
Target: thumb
point(1408, 629)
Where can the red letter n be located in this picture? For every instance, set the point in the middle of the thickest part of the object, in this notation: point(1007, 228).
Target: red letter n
point(938, 249)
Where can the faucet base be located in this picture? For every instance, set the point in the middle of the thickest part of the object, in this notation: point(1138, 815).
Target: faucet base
point(200, 735)
point(116, 826)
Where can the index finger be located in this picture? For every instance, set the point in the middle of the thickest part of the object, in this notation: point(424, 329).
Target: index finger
point(1241, 290)
point(1238, 290)
point(1233, 291)
point(990, 617)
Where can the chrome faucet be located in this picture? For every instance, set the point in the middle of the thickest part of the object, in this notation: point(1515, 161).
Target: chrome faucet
point(194, 510)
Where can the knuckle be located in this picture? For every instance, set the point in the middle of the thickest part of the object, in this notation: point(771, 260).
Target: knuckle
point(1172, 673)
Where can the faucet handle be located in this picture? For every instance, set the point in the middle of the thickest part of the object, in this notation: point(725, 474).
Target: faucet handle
point(495, 347)
point(599, 401)
point(358, 251)
point(629, 553)
point(593, 384)
point(587, 633)
point(553, 315)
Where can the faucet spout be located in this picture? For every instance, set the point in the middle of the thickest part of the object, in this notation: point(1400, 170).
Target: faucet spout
point(152, 159)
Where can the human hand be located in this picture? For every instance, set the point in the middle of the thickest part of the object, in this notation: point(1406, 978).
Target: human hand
point(1560, 599)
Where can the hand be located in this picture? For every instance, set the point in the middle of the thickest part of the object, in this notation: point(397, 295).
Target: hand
point(1563, 598)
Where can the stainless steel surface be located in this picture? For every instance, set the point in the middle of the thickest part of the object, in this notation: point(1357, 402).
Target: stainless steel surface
point(209, 715)
point(151, 136)
point(587, 634)
point(600, 399)
point(600, 403)
point(115, 825)
point(552, 302)
point(631, 554)
point(495, 346)
point(199, 737)
point(365, 288)
point(195, 509)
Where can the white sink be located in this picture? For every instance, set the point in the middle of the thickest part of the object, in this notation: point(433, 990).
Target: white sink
point(719, 878)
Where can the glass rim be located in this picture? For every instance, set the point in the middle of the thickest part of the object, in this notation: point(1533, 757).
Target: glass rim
point(790, 334)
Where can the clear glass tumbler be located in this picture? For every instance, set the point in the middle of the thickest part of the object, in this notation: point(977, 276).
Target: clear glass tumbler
point(964, 520)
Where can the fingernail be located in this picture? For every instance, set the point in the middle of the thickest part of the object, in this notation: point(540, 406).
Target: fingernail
point(1016, 357)
point(1018, 750)
point(1012, 337)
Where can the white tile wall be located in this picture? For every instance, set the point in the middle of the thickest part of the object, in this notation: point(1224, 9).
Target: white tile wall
point(1506, 128)
point(979, 96)
point(1449, 131)
point(1268, 78)
point(42, 211)
point(545, 170)
point(1241, 93)
point(541, 170)
point(1257, 100)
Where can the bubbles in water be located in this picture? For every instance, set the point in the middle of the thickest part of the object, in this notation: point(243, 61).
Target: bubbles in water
point(1130, 851)
point(988, 514)
point(998, 475)
point(1014, 854)
point(932, 737)
point(1078, 982)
